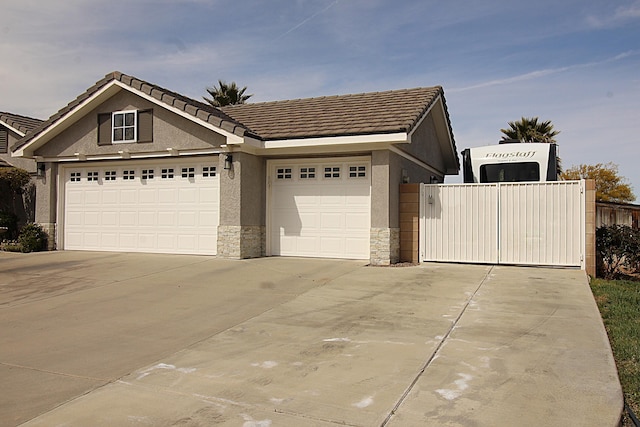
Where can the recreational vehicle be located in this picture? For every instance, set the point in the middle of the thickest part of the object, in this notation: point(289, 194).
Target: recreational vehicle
point(510, 162)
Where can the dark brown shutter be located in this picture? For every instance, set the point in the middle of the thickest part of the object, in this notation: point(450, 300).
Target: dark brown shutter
point(145, 126)
point(104, 129)
point(4, 140)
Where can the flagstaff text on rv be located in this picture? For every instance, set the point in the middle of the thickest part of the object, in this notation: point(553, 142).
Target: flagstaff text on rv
point(510, 162)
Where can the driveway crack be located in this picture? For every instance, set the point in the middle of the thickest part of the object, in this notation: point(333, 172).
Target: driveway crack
point(436, 351)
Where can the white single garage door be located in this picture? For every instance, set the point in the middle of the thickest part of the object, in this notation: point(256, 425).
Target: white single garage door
point(320, 208)
point(168, 206)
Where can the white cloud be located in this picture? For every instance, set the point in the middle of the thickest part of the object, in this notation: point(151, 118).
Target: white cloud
point(619, 16)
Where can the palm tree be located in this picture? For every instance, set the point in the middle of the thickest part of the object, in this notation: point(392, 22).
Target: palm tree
point(226, 94)
point(530, 130)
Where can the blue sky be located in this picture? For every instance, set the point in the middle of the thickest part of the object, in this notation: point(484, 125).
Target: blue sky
point(573, 62)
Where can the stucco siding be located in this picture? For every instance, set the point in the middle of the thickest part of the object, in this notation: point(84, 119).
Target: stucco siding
point(169, 131)
point(424, 145)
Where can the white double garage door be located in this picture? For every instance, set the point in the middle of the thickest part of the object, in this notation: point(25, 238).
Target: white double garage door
point(316, 208)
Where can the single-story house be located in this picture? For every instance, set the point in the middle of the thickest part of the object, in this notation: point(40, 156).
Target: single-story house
point(130, 166)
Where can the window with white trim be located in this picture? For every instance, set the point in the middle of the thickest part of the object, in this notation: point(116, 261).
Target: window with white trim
point(110, 175)
point(188, 172)
point(92, 176)
point(357, 171)
point(307, 173)
point(167, 173)
point(332, 172)
point(283, 173)
point(209, 171)
point(124, 125)
point(147, 174)
point(128, 174)
point(76, 176)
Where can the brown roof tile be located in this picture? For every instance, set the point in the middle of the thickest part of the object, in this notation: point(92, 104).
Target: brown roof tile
point(22, 123)
point(341, 115)
point(364, 113)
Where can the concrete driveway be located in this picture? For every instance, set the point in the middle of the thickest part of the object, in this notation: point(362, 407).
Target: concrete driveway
point(107, 339)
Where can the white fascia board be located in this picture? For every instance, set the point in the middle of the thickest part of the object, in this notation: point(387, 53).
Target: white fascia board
point(11, 128)
point(70, 118)
point(130, 155)
point(231, 137)
point(395, 138)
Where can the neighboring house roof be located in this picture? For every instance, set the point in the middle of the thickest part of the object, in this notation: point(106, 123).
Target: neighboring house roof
point(21, 124)
point(341, 115)
point(4, 164)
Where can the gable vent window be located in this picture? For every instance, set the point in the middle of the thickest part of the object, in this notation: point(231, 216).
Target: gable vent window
point(283, 173)
point(110, 175)
point(332, 172)
point(4, 141)
point(121, 127)
point(307, 173)
point(76, 176)
point(188, 172)
point(92, 176)
point(167, 173)
point(124, 126)
point(128, 175)
point(357, 171)
point(208, 171)
point(147, 174)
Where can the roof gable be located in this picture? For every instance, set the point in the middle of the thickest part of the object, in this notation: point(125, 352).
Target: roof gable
point(200, 112)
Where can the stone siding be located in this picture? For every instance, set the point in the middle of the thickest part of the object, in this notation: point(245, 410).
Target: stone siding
point(385, 246)
point(239, 242)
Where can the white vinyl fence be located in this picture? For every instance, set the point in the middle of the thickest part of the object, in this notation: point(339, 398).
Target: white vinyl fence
point(535, 223)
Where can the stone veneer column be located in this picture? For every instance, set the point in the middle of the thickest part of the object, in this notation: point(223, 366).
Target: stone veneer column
point(385, 229)
point(242, 232)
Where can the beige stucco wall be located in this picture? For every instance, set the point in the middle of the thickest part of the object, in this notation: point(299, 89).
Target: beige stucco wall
point(424, 144)
point(243, 191)
point(242, 231)
point(169, 131)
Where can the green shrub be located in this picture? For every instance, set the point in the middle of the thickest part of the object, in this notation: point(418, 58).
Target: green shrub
point(618, 251)
point(32, 238)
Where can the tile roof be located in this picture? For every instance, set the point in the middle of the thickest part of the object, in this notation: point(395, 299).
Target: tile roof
point(341, 115)
point(365, 113)
point(22, 123)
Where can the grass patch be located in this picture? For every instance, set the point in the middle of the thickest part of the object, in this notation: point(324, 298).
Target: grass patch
point(619, 304)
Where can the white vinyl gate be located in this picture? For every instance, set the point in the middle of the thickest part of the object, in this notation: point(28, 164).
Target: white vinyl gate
point(535, 223)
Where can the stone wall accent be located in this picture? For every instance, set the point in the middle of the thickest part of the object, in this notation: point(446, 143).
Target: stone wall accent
point(239, 242)
point(409, 223)
point(50, 229)
point(385, 246)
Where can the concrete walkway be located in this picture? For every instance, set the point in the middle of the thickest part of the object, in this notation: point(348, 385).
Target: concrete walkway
point(341, 344)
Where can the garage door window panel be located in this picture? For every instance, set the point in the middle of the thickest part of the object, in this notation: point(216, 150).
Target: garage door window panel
point(307, 173)
point(283, 173)
point(332, 172)
point(357, 171)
